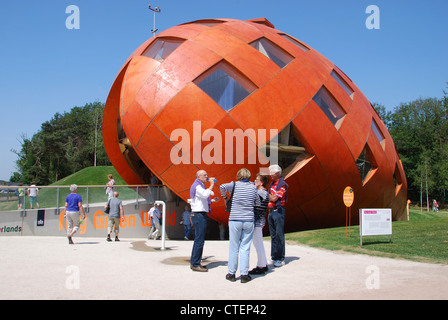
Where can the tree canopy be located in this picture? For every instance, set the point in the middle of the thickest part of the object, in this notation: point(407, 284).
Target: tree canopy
point(420, 132)
point(64, 145)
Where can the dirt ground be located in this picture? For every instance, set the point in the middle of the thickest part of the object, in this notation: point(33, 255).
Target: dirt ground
point(50, 268)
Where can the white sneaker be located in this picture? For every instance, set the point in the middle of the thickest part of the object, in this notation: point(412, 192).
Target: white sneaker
point(279, 263)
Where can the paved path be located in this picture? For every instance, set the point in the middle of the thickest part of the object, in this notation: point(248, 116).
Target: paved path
point(50, 268)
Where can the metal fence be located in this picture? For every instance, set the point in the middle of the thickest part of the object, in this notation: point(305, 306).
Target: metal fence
point(17, 197)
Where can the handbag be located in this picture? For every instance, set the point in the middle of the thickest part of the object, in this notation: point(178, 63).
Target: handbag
point(229, 201)
point(106, 211)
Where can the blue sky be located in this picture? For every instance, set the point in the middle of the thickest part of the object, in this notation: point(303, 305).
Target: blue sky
point(47, 68)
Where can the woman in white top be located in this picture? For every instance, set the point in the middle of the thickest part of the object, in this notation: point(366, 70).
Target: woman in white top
point(261, 182)
point(110, 187)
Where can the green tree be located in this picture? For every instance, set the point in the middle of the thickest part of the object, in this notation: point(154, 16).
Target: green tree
point(419, 132)
point(64, 145)
point(383, 113)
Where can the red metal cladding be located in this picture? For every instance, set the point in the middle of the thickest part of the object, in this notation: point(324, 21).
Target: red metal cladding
point(213, 94)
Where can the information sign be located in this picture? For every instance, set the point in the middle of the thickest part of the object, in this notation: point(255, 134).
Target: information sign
point(348, 197)
point(375, 222)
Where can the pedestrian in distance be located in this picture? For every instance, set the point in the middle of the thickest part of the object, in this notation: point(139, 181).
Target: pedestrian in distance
point(33, 192)
point(110, 187)
point(186, 221)
point(435, 206)
point(152, 227)
point(21, 196)
point(156, 215)
point(74, 212)
point(116, 214)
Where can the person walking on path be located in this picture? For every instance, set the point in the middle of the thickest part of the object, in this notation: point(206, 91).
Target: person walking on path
point(116, 214)
point(156, 215)
point(74, 212)
point(152, 228)
point(186, 221)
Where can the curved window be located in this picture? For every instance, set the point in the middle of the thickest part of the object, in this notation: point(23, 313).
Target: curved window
point(270, 50)
point(207, 22)
point(330, 107)
point(289, 148)
point(225, 85)
point(297, 43)
point(397, 179)
point(366, 164)
point(378, 134)
point(342, 83)
point(162, 48)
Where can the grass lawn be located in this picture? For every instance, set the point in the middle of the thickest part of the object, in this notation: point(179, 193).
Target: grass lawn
point(423, 238)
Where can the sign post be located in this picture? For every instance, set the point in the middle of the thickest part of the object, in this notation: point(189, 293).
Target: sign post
point(348, 198)
point(375, 222)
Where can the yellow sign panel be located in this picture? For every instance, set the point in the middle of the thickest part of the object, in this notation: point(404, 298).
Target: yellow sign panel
point(348, 196)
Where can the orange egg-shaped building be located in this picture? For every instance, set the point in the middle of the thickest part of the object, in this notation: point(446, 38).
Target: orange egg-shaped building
point(222, 94)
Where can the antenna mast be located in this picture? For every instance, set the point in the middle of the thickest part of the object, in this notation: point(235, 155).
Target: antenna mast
point(155, 10)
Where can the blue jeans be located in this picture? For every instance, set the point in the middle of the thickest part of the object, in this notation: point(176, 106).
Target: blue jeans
point(276, 220)
point(240, 239)
point(199, 220)
point(187, 229)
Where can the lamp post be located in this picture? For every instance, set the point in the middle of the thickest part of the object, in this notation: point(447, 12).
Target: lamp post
point(155, 10)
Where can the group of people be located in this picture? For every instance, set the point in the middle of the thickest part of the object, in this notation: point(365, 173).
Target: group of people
point(32, 192)
point(435, 206)
point(248, 202)
point(75, 214)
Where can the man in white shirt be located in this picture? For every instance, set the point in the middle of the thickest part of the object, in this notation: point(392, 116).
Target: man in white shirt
point(152, 227)
point(156, 215)
point(33, 192)
point(200, 205)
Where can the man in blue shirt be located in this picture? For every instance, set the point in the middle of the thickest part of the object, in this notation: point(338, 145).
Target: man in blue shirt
point(73, 208)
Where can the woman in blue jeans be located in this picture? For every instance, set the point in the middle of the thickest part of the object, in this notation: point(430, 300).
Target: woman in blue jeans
point(241, 223)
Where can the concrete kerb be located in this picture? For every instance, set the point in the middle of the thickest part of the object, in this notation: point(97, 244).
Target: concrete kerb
point(50, 268)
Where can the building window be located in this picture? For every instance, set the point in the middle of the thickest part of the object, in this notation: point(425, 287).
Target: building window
point(366, 164)
point(225, 85)
point(162, 48)
point(130, 155)
point(397, 179)
point(289, 148)
point(297, 43)
point(208, 23)
point(270, 50)
point(330, 107)
point(378, 134)
point(342, 83)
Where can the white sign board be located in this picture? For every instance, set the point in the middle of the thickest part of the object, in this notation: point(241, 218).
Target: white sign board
point(375, 222)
